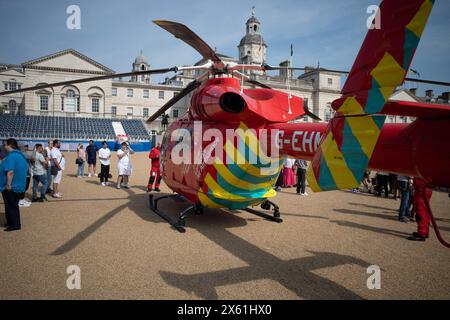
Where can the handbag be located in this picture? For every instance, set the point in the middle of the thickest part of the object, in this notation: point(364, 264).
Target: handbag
point(79, 161)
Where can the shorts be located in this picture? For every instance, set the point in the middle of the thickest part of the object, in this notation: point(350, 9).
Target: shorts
point(57, 178)
point(92, 161)
point(124, 171)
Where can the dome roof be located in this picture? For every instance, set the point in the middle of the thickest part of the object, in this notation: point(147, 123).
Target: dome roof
point(141, 59)
point(252, 38)
point(253, 19)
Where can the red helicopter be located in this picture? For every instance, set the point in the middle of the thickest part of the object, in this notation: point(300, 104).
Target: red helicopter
point(227, 150)
point(238, 171)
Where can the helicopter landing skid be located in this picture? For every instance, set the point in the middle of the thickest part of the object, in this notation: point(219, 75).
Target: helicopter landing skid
point(181, 223)
point(266, 206)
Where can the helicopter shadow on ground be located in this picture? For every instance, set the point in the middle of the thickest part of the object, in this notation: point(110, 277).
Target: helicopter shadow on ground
point(367, 214)
point(138, 203)
point(296, 275)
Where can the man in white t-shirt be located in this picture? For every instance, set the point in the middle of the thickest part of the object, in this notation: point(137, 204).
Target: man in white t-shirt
point(104, 155)
point(124, 165)
point(47, 157)
point(60, 164)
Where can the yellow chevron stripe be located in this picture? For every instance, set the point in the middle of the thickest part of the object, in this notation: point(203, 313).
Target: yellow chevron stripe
point(388, 73)
point(255, 149)
point(237, 158)
point(363, 128)
point(366, 132)
point(387, 92)
point(269, 194)
point(206, 202)
point(231, 179)
point(351, 106)
point(219, 192)
point(342, 175)
point(312, 181)
point(417, 24)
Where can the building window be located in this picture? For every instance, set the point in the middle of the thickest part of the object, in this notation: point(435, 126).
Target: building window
point(114, 92)
point(78, 104)
point(327, 116)
point(330, 81)
point(175, 113)
point(12, 86)
point(145, 112)
point(70, 93)
point(130, 111)
point(19, 86)
point(62, 103)
point(146, 94)
point(12, 106)
point(43, 103)
point(95, 105)
point(6, 86)
point(305, 118)
point(114, 111)
point(130, 93)
point(161, 94)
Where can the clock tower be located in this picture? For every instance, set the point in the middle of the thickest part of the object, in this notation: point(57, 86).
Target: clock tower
point(252, 48)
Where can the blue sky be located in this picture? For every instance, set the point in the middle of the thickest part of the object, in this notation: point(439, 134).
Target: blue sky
point(113, 32)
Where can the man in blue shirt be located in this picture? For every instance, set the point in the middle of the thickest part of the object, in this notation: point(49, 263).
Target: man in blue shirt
point(91, 157)
point(13, 177)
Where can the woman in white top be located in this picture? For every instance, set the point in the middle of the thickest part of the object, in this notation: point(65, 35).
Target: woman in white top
point(124, 165)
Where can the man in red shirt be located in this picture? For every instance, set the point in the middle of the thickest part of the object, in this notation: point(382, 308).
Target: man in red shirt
point(155, 172)
point(421, 194)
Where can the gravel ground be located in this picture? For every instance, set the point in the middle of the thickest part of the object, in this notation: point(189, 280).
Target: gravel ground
point(320, 251)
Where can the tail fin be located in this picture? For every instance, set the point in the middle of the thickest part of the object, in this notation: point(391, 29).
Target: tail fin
point(380, 66)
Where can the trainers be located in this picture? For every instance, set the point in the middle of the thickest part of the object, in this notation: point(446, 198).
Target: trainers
point(304, 194)
point(157, 190)
point(57, 195)
point(118, 186)
point(37, 200)
point(24, 204)
point(149, 189)
point(89, 175)
point(125, 186)
point(103, 184)
point(95, 174)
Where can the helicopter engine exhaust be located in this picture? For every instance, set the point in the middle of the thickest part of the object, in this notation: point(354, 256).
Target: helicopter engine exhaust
point(232, 102)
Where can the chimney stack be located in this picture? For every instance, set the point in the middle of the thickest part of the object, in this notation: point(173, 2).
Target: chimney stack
point(429, 93)
point(445, 96)
point(285, 73)
point(413, 91)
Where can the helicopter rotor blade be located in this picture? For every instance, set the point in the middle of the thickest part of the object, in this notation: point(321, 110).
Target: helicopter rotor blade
point(310, 114)
point(249, 80)
point(189, 88)
point(255, 82)
point(188, 36)
point(97, 78)
point(435, 82)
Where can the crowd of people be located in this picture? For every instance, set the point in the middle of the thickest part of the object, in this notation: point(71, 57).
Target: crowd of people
point(293, 174)
point(45, 167)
